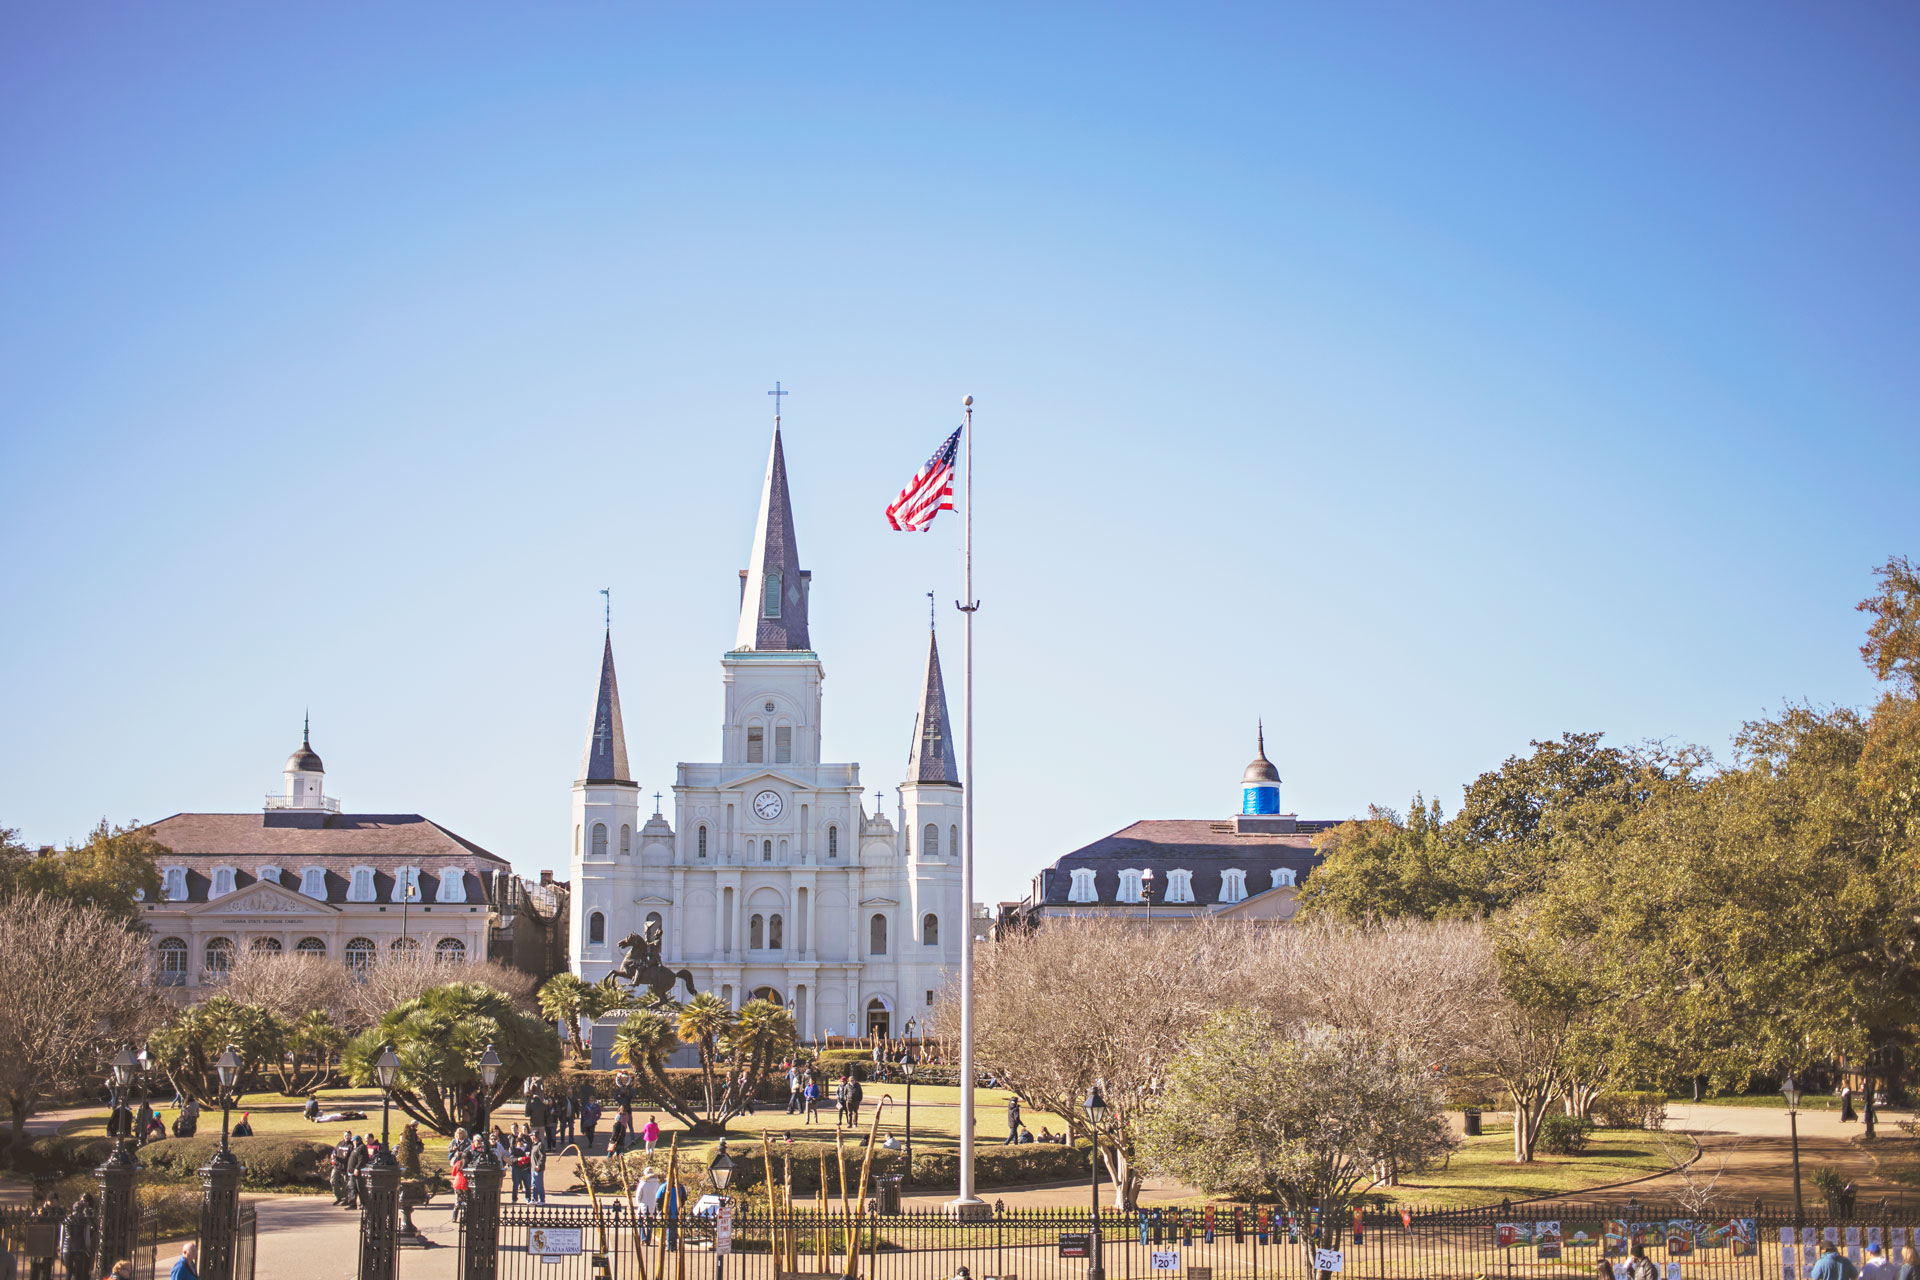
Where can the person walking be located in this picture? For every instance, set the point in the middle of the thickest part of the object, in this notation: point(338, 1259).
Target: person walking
point(536, 1113)
point(813, 1100)
point(651, 1134)
point(841, 1093)
point(1602, 1269)
point(337, 1176)
point(855, 1096)
point(1909, 1263)
point(1640, 1266)
point(537, 1173)
point(142, 1122)
point(1013, 1122)
point(457, 1163)
point(356, 1161)
point(796, 1092)
point(589, 1121)
point(79, 1235)
point(617, 1140)
point(187, 1265)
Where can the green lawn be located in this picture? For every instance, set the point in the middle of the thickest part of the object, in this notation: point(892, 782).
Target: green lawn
point(1810, 1102)
point(1483, 1172)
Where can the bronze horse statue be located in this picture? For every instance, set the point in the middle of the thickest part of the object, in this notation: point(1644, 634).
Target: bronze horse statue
point(642, 968)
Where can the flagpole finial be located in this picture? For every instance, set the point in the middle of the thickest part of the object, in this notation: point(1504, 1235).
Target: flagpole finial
point(967, 401)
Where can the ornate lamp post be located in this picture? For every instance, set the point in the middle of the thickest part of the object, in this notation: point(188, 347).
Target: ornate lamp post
point(1096, 1109)
point(481, 1251)
point(1146, 895)
point(721, 1171)
point(116, 1175)
point(220, 1182)
point(380, 1183)
point(1791, 1092)
point(906, 1070)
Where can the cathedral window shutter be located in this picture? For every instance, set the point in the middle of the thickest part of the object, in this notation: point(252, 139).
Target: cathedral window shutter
point(783, 744)
point(756, 744)
point(930, 842)
point(770, 601)
point(596, 928)
point(599, 839)
point(833, 842)
point(701, 841)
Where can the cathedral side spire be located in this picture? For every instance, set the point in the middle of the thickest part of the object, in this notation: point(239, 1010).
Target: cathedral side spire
point(773, 587)
point(605, 757)
point(932, 758)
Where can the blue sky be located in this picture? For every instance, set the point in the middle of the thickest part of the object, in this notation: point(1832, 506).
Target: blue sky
point(1424, 379)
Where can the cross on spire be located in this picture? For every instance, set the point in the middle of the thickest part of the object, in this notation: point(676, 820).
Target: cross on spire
point(929, 610)
point(656, 804)
point(776, 393)
point(608, 593)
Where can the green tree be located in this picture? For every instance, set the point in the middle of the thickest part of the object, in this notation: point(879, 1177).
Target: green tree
point(190, 1044)
point(439, 1037)
point(568, 999)
point(1381, 867)
point(108, 871)
point(1312, 1118)
point(737, 1051)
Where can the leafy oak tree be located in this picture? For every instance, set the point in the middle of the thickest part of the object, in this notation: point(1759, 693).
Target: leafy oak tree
point(110, 870)
point(439, 1037)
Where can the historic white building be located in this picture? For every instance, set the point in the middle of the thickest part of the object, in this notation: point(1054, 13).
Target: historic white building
point(773, 880)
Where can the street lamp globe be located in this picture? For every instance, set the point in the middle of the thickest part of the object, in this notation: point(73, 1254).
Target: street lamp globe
point(721, 1168)
point(1791, 1092)
point(228, 1067)
point(489, 1067)
point(1095, 1105)
point(123, 1068)
point(906, 1068)
point(386, 1069)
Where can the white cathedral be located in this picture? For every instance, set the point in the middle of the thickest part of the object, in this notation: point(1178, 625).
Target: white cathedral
point(773, 880)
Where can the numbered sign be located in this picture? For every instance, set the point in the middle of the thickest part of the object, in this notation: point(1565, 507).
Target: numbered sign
point(1328, 1260)
point(1165, 1260)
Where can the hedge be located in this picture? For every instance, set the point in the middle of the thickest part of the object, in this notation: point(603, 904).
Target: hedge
point(56, 1154)
point(1630, 1110)
point(271, 1160)
point(992, 1165)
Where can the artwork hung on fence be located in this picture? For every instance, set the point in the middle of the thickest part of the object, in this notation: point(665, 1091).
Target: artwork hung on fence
point(1617, 1238)
point(1546, 1239)
point(1679, 1238)
point(1512, 1235)
point(1651, 1235)
point(1584, 1234)
point(1789, 1263)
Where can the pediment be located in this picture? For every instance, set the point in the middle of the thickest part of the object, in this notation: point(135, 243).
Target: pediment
point(879, 902)
point(747, 780)
point(654, 899)
point(263, 897)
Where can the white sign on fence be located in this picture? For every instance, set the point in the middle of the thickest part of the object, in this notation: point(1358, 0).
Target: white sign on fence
point(723, 1229)
point(553, 1242)
point(1328, 1260)
point(1165, 1260)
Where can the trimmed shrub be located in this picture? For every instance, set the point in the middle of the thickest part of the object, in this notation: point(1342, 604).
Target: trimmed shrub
point(272, 1160)
point(994, 1166)
point(1564, 1135)
point(1630, 1110)
point(57, 1154)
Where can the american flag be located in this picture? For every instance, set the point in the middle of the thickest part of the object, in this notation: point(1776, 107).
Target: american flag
point(929, 492)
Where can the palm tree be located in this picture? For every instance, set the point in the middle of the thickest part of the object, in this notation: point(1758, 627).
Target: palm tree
point(566, 998)
point(704, 1020)
point(736, 1052)
point(439, 1037)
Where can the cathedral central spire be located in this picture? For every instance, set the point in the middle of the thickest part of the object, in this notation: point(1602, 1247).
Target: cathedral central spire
point(605, 758)
point(773, 586)
point(932, 757)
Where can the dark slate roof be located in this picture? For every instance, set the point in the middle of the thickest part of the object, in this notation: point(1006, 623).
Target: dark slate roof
point(1206, 848)
point(931, 757)
point(296, 839)
point(776, 549)
point(605, 757)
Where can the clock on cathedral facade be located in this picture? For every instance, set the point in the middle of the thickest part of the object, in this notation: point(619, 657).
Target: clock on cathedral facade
point(772, 880)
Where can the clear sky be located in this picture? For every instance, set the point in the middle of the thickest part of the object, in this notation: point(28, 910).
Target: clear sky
point(1422, 378)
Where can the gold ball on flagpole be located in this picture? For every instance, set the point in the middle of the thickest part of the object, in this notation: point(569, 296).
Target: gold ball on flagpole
point(968, 401)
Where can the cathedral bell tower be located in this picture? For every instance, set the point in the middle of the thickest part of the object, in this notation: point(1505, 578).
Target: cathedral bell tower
point(606, 823)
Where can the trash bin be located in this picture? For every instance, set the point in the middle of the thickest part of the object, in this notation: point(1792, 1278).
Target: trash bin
point(886, 1193)
point(1471, 1115)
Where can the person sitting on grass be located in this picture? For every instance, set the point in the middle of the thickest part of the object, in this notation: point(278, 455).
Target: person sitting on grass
point(312, 1110)
point(245, 1128)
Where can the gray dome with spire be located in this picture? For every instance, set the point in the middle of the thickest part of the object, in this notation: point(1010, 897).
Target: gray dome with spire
point(306, 759)
point(1261, 770)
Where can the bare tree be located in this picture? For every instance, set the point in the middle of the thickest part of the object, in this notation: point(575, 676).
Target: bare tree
point(289, 986)
point(74, 983)
point(397, 977)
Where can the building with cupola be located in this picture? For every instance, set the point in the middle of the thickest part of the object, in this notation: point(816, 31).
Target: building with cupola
point(773, 879)
point(1247, 866)
point(301, 876)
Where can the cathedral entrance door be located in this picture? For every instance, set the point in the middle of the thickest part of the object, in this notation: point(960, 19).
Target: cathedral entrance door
point(877, 1019)
point(768, 994)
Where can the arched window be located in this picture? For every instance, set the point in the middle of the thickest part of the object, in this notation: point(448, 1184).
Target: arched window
point(219, 955)
point(599, 839)
point(360, 954)
point(596, 928)
point(222, 882)
point(953, 841)
point(930, 930)
point(173, 962)
point(702, 840)
point(783, 744)
point(450, 951)
point(770, 598)
point(653, 921)
point(877, 936)
point(776, 935)
point(766, 851)
point(265, 946)
point(626, 840)
point(1282, 876)
point(453, 885)
point(313, 882)
point(877, 1017)
point(930, 842)
point(768, 994)
point(1179, 885)
point(1083, 889)
point(407, 946)
point(756, 933)
point(756, 744)
point(311, 947)
point(833, 842)
point(1129, 885)
point(1233, 885)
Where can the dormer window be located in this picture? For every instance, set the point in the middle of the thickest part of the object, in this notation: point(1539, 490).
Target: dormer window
point(1083, 889)
point(1180, 885)
point(176, 884)
point(222, 882)
point(360, 888)
point(1283, 877)
point(453, 885)
point(756, 744)
point(269, 875)
point(770, 598)
point(404, 879)
point(313, 882)
point(1233, 885)
point(1130, 890)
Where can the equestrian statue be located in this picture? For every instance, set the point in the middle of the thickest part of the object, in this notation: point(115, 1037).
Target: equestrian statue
point(642, 967)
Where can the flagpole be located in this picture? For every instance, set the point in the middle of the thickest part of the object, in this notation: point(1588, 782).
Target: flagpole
point(967, 1205)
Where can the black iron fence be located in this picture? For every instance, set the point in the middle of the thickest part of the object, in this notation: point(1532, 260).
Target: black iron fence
point(1546, 1241)
point(31, 1247)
